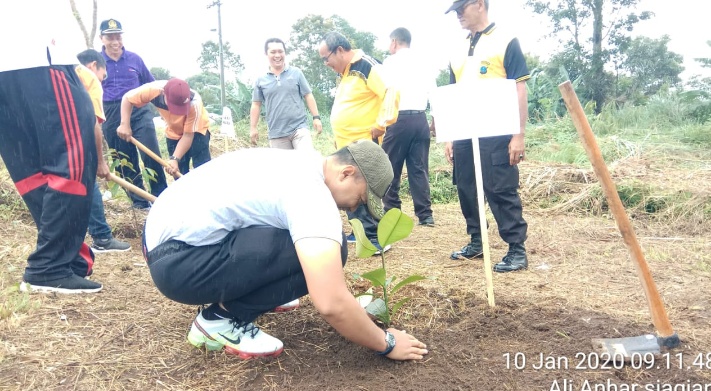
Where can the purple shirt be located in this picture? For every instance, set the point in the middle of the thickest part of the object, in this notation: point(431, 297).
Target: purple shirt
point(124, 75)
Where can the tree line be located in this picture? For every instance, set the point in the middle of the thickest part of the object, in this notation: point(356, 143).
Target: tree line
point(596, 52)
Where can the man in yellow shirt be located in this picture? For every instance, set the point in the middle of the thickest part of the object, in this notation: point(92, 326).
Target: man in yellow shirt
point(186, 134)
point(363, 107)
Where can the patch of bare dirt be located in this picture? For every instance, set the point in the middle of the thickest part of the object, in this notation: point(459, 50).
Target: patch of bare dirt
point(580, 285)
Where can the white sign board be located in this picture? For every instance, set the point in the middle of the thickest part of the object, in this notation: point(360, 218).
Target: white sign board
point(227, 127)
point(476, 108)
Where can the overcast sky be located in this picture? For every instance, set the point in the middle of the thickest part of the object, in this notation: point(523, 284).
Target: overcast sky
point(169, 33)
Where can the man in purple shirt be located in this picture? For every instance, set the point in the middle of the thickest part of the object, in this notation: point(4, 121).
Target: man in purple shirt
point(125, 71)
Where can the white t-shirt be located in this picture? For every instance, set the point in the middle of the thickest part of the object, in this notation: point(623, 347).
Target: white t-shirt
point(250, 187)
point(409, 73)
point(29, 27)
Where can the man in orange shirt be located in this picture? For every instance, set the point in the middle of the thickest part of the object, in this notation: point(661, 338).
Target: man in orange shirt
point(186, 135)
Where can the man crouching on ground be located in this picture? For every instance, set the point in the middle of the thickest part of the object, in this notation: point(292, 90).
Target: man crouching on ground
point(264, 236)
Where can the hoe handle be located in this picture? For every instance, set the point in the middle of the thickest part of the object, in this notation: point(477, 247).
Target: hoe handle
point(656, 307)
point(132, 188)
point(152, 154)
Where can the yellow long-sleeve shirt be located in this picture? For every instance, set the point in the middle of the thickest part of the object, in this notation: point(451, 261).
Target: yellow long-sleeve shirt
point(363, 101)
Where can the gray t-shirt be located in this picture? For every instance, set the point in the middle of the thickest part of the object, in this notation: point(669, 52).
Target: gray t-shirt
point(283, 98)
point(245, 188)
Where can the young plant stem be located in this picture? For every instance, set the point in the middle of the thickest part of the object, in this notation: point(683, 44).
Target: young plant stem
point(385, 289)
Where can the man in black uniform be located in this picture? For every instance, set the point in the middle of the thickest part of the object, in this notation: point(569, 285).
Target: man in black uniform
point(490, 53)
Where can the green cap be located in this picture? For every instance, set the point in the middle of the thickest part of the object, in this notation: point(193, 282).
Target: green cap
point(375, 166)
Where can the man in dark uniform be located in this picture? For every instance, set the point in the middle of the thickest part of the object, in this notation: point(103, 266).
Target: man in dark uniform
point(126, 71)
point(489, 52)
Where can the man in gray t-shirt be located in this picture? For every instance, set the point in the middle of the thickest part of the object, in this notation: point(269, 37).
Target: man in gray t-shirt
point(283, 89)
point(258, 243)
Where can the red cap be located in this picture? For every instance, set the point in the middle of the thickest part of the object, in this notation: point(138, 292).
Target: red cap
point(177, 96)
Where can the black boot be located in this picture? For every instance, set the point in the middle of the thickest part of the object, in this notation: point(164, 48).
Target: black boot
point(472, 250)
point(514, 260)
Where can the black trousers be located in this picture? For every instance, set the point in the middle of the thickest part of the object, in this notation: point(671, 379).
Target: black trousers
point(47, 143)
point(407, 141)
point(199, 152)
point(501, 181)
point(145, 132)
point(370, 226)
point(252, 271)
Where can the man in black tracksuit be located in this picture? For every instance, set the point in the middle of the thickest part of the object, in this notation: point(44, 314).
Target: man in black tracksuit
point(47, 143)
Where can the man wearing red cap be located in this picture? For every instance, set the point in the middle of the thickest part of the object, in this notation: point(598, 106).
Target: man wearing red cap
point(186, 134)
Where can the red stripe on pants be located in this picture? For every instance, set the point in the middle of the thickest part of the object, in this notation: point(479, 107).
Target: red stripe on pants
point(70, 125)
point(85, 253)
point(62, 185)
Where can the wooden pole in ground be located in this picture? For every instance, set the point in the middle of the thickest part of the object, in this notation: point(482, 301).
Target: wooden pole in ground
point(482, 222)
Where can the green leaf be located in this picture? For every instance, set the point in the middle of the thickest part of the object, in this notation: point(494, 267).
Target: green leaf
point(364, 249)
point(377, 276)
point(378, 309)
point(408, 280)
point(394, 226)
point(399, 304)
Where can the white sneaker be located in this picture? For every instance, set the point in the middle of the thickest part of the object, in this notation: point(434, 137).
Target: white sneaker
point(385, 249)
point(243, 340)
point(290, 306)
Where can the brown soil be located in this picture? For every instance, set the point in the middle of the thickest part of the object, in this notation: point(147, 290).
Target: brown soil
point(580, 285)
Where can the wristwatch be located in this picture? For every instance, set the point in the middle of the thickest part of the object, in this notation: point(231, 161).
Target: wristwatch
point(390, 340)
point(318, 117)
point(173, 157)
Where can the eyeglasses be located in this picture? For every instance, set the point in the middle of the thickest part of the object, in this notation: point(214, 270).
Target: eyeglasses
point(325, 59)
point(461, 9)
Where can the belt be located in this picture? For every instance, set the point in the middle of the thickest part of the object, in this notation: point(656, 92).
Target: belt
point(406, 112)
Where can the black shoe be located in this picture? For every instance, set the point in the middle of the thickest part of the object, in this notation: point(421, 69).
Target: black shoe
point(67, 285)
point(109, 245)
point(427, 222)
point(470, 251)
point(514, 260)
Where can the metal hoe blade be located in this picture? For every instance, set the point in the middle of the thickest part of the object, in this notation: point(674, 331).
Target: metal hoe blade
point(625, 348)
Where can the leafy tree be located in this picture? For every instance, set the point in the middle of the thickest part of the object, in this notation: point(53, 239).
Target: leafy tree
point(443, 77)
point(699, 96)
point(207, 84)
point(702, 83)
point(650, 65)
point(209, 60)
point(705, 62)
point(306, 35)
point(238, 96)
point(160, 73)
point(591, 31)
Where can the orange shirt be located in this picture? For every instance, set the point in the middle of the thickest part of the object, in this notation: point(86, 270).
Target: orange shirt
point(196, 121)
point(93, 87)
